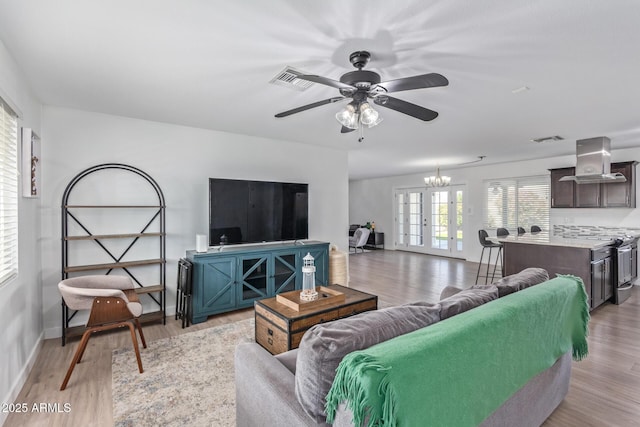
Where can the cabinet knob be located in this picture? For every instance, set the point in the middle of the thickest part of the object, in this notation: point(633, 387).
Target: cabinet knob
point(270, 332)
point(270, 341)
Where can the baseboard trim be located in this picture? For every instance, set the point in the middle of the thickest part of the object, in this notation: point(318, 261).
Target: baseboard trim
point(22, 377)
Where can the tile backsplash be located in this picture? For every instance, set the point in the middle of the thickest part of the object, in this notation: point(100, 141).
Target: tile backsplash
point(577, 231)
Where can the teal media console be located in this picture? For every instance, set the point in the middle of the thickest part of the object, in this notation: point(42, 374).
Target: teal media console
point(236, 276)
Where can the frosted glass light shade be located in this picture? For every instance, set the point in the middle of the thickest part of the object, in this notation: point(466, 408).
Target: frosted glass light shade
point(368, 116)
point(437, 180)
point(348, 117)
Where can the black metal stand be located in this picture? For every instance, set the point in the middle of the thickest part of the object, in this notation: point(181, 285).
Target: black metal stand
point(184, 285)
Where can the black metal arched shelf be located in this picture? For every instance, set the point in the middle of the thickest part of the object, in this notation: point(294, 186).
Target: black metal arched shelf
point(156, 291)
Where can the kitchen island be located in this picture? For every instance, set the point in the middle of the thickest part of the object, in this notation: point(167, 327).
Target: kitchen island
point(589, 259)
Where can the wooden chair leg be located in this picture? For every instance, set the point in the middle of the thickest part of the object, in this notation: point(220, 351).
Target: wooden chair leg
point(135, 346)
point(83, 345)
point(76, 358)
point(139, 326)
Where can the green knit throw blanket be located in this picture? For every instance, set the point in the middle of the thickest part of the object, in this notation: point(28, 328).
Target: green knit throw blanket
point(458, 371)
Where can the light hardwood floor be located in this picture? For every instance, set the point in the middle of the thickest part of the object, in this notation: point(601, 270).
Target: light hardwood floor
point(605, 388)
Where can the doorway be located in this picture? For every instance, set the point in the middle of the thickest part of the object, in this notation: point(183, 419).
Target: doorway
point(430, 220)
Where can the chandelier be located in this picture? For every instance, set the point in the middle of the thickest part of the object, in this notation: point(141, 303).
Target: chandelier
point(437, 180)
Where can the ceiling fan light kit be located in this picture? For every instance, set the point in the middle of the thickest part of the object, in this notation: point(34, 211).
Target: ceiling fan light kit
point(351, 119)
point(361, 85)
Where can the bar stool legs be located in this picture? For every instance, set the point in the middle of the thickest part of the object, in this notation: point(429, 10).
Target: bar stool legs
point(485, 243)
point(488, 267)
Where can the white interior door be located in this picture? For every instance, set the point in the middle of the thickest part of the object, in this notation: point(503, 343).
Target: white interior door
point(431, 220)
point(410, 219)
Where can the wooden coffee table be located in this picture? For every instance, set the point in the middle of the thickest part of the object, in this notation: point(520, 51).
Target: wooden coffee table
point(280, 328)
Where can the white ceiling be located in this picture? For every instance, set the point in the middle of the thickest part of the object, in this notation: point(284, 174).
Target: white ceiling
point(208, 64)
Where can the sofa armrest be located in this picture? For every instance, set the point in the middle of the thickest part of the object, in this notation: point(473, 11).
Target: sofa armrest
point(265, 390)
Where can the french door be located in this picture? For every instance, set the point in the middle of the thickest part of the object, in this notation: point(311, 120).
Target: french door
point(430, 220)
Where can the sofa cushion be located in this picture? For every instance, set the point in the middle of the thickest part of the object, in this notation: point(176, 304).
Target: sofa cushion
point(522, 280)
point(449, 291)
point(323, 346)
point(466, 300)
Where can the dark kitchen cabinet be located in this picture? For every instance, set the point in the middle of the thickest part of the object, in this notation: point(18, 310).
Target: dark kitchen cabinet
point(562, 192)
point(568, 194)
point(621, 194)
point(588, 195)
point(601, 277)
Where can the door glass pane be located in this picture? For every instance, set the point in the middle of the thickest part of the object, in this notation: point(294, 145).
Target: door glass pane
point(440, 219)
point(400, 219)
point(416, 213)
point(254, 278)
point(459, 219)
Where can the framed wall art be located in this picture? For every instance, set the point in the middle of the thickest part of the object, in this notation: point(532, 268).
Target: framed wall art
point(31, 163)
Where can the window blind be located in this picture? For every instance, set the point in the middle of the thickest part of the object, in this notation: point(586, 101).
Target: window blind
point(517, 202)
point(8, 193)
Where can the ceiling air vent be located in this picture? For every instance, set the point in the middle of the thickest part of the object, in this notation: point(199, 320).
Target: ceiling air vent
point(289, 78)
point(548, 138)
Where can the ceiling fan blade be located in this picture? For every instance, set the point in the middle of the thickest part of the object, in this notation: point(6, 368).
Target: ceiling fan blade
point(346, 129)
point(408, 83)
point(405, 107)
point(309, 106)
point(327, 82)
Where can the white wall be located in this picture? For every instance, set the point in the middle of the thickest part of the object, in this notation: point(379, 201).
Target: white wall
point(21, 299)
point(372, 199)
point(181, 160)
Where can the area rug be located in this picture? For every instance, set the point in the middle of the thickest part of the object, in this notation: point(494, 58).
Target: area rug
point(188, 380)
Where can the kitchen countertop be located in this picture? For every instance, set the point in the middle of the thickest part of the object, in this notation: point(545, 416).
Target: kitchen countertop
point(545, 239)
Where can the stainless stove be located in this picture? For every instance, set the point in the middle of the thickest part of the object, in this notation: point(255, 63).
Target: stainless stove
point(625, 250)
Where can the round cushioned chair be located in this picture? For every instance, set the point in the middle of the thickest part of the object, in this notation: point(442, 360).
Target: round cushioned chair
point(359, 239)
point(113, 303)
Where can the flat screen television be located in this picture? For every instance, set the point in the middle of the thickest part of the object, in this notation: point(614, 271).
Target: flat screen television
point(257, 211)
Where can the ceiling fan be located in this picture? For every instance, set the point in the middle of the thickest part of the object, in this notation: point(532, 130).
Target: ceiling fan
point(361, 85)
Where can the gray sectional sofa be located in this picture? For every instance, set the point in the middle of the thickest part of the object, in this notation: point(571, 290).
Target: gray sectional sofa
point(290, 389)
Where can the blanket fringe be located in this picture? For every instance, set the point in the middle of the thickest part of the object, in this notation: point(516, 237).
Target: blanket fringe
point(580, 346)
point(346, 387)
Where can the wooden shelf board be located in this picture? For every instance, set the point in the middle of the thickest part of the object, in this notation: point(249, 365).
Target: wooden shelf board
point(113, 236)
point(125, 264)
point(111, 206)
point(75, 331)
point(152, 317)
point(149, 289)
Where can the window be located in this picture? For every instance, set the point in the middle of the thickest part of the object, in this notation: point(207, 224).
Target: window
point(517, 202)
point(8, 193)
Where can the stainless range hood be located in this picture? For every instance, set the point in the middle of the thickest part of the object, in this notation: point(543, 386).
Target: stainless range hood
point(593, 163)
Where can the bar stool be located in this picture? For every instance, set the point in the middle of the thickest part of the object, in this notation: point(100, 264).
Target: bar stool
point(482, 236)
point(535, 229)
point(521, 231)
point(501, 232)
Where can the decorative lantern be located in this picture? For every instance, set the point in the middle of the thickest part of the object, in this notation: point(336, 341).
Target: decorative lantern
point(308, 292)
